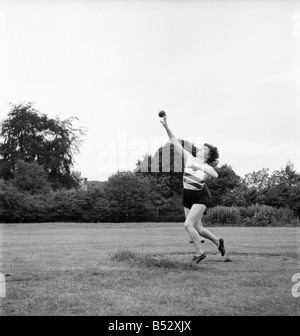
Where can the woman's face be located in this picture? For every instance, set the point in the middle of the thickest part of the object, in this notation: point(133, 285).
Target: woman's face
point(203, 153)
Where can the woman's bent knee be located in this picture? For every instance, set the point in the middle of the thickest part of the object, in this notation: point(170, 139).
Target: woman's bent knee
point(200, 229)
point(189, 224)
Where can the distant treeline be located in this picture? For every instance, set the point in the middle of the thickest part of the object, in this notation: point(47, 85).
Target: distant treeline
point(142, 197)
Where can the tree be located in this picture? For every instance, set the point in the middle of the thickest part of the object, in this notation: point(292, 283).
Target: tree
point(286, 175)
point(31, 178)
point(11, 203)
point(128, 197)
point(283, 189)
point(31, 136)
point(222, 187)
point(256, 183)
point(258, 180)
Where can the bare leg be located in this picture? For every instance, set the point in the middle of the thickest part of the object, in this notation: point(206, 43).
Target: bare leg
point(206, 233)
point(186, 212)
point(193, 216)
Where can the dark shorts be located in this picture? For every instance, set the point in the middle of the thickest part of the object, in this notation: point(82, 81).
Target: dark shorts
point(191, 197)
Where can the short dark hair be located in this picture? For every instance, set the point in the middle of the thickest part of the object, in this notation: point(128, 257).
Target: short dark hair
point(213, 153)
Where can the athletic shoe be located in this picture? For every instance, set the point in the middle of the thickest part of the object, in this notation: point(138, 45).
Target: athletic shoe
point(197, 259)
point(221, 247)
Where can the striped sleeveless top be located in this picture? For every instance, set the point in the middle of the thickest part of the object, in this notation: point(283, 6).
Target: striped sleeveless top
point(193, 179)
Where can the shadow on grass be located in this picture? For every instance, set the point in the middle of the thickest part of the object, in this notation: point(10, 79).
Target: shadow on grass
point(137, 259)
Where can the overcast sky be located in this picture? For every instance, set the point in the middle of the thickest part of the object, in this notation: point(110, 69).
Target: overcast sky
point(226, 72)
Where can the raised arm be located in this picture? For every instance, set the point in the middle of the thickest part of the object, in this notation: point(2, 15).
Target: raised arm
point(174, 140)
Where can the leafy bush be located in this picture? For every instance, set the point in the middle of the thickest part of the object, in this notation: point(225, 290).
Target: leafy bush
point(255, 215)
point(128, 196)
point(264, 215)
point(36, 208)
point(16, 206)
point(284, 215)
point(30, 178)
point(171, 211)
point(220, 215)
point(100, 211)
point(11, 203)
point(125, 198)
point(71, 205)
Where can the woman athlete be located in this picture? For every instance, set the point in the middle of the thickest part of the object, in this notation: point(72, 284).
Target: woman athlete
point(195, 199)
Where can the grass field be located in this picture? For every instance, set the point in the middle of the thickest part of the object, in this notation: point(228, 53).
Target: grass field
point(144, 269)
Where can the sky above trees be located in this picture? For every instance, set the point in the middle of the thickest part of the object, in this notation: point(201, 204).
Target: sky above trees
point(226, 72)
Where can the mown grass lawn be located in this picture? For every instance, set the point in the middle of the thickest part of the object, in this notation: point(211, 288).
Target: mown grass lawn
point(142, 269)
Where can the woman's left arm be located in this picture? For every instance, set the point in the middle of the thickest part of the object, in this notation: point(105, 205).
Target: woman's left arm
point(209, 170)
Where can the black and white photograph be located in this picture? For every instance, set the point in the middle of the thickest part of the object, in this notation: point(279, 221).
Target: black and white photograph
point(150, 160)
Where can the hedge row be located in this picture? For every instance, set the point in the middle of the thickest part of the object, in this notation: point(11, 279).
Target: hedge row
point(78, 206)
point(255, 215)
point(92, 206)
